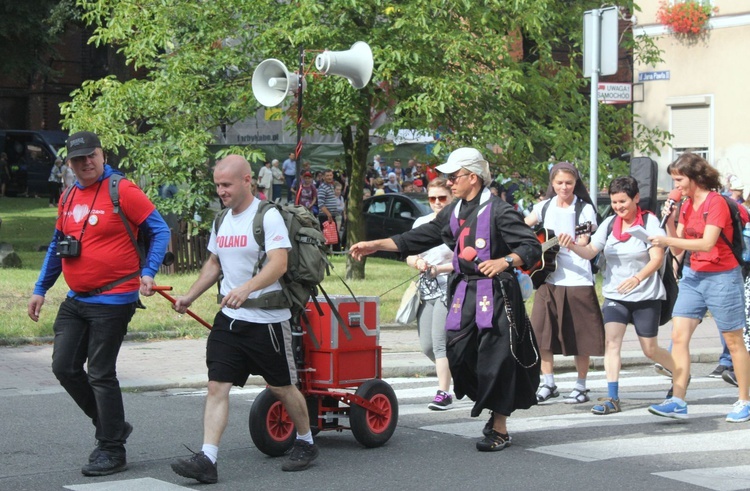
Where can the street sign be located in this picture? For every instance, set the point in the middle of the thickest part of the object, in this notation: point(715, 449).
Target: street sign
point(651, 76)
point(607, 42)
point(609, 93)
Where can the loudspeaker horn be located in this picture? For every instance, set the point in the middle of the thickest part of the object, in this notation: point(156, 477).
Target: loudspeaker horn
point(355, 64)
point(272, 82)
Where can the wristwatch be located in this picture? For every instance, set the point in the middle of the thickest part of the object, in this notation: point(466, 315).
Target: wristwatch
point(509, 260)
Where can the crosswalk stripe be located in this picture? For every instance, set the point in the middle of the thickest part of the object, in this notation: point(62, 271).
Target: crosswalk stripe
point(127, 485)
point(592, 451)
point(716, 478)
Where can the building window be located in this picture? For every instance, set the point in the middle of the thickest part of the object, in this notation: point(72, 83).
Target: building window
point(691, 125)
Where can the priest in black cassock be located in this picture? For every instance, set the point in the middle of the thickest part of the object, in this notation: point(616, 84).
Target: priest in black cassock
point(491, 347)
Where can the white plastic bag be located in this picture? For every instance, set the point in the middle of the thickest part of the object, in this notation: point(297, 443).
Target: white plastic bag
point(407, 311)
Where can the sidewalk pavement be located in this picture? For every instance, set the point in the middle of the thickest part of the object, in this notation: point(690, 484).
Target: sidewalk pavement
point(173, 363)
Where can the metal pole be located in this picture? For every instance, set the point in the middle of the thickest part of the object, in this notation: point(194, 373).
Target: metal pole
point(596, 20)
point(298, 147)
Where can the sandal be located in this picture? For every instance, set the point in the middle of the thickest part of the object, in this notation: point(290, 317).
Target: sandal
point(494, 442)
point(607, 406)
point(546, 393)
point(487, 430)
point(578, 396)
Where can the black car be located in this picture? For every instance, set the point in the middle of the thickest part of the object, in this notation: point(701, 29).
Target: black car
point(390, 214)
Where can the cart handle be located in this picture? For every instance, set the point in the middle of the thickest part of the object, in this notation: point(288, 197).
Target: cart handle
point(161, 289)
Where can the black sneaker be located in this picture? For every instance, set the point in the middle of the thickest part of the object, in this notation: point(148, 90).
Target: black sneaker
point(659, 368)
point(671, 387)
point(718, 371)
point(442, 401)
point(198, 467)
point(105, 464)
point(729, 377)
point(97, 449)
point(301, 457)
point(494, 442)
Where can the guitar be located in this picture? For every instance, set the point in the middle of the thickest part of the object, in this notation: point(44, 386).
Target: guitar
point(550, 247)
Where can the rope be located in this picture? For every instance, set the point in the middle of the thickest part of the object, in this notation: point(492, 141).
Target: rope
point(400, 284)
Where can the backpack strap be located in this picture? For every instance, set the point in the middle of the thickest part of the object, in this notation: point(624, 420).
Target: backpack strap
point(114, 194)
point(731, 218)
point(578, 207)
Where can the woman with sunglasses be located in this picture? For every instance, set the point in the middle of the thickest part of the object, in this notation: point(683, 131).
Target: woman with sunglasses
point(711, 280)
point(566, 316)
point(435, 265)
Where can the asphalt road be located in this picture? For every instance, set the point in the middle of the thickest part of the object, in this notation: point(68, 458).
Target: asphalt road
point(564, 447)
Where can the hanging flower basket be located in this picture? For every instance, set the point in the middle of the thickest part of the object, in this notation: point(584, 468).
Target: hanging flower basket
point(689, 17)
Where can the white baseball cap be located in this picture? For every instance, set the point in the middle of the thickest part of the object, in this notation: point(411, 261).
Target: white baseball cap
point(471, 160)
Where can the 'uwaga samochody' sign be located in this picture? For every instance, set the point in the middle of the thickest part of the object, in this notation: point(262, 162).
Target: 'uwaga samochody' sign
point(609, 93)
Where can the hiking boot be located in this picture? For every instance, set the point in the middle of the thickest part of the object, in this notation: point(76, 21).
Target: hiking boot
point(494, 442)
point(729, 377)
point(670, 409)
point(301, 456)
point(442, 401)
point(105, 464)
point(126, 433)
point(718, 371)
point(198, 467)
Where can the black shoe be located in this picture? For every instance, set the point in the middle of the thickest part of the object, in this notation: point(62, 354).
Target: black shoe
point(487, 430)
point(729, 377)
point(718, 371)
point(301, 456)
point(198, 467)
point(125, 435)
point(671, 387)
point(494, 442)
point(105, 464)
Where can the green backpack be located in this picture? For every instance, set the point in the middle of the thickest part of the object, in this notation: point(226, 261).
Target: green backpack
point(307, 264)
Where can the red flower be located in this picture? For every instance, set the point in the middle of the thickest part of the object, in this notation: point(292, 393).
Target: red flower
point(688, 17)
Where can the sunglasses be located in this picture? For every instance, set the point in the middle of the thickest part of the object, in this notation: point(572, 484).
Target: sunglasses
point(455, 177)
point(442, 199)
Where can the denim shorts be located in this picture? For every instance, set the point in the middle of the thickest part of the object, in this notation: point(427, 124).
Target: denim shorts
point(723, 293)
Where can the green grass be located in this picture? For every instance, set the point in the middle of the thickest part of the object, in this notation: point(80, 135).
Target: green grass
point(28, 224)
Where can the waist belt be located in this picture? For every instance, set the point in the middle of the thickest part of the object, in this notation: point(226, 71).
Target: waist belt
point(278, 299)
point(108, 286)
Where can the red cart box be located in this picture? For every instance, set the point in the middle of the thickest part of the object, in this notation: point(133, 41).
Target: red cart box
point(343, 355)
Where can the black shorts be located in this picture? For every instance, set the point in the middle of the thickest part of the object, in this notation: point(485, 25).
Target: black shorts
point(236, 349)
point(644, 315)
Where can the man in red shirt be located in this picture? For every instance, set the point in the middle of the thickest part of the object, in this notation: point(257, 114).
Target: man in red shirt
point(95, 253)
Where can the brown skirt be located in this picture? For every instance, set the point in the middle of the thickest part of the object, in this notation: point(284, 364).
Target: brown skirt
point(567, 320)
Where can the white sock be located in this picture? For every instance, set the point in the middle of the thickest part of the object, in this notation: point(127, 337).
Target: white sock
point(211, 451)
point(306, 437)
point(679, 401)
point(549, 380)
point(581, 384)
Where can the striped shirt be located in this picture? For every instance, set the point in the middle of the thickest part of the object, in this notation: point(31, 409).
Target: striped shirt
point(327, 198)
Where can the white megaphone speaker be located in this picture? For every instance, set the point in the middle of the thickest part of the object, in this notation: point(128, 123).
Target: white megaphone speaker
point(354, 64)
point(272, 82)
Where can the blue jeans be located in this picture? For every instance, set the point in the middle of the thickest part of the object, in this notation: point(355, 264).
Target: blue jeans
point(94, 332)
point(276, 191)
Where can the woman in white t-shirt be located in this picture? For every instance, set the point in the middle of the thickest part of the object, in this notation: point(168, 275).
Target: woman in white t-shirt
point(566, 318)
point(435, 265)
point(632, 289)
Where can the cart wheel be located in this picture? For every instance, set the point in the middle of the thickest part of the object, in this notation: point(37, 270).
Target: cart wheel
point(370, 429)
point(271, 429)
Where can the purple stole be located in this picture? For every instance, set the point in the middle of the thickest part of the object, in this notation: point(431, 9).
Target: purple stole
point(485, 298)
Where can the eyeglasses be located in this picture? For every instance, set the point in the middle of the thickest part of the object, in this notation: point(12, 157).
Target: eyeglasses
point(442, 199)
point(453, 178)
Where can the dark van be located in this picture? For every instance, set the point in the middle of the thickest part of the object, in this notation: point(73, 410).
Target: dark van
point(31, 155)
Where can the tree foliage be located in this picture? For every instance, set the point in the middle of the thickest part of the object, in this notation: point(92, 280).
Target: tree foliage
point(497, 74)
